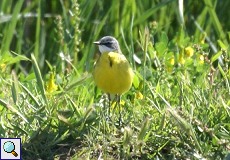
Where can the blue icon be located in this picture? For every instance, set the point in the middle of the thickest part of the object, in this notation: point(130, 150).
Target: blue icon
point(9, 147)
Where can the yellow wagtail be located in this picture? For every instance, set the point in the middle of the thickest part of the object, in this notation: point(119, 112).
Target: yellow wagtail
point(112, 72)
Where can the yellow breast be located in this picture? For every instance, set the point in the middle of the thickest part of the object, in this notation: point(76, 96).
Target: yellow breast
point(112, 73)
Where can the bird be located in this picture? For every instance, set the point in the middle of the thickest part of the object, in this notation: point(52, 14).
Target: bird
point(112, 71)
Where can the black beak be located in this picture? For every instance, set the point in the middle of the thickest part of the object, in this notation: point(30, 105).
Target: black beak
point(97, 43)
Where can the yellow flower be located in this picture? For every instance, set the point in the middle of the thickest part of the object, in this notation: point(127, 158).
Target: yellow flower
point(181, 59)
point(169, 64)
point(114, 104)
point(51, 86)
point(171, 61)
point(202, 39)
point(189, 51)
point(3, 67)
point(139, 95)
point(200, 58)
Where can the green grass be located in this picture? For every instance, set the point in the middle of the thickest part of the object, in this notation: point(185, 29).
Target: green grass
point(177, 108)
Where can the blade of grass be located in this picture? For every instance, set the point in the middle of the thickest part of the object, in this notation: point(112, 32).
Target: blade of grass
point(144, 129)
point(14, 87)
point(225, 77)
point(20, 57)
point(182, 122)
point(7, 105)
point(150, 12)
point(185, 126)
point(39, 78)
point(216, 56)
point(38, 30)
point(207, 38)
point(86, 116)
point(60, 139)
point(181, 11)
point(11, 27)
point(78, 81)
point(30, 94)
point(215, 20)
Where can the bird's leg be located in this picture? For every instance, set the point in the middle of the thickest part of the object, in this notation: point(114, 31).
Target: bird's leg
point(104, 110)
point(111, 100)
point(119, 108)
point(109, 97)
point(104, 100)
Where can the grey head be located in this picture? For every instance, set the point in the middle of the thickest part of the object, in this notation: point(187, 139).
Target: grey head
point(108, 44)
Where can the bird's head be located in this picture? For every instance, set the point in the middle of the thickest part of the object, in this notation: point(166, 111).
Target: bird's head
point(108, 44)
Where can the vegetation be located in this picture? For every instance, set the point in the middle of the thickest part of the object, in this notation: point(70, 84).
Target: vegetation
point(177, 108)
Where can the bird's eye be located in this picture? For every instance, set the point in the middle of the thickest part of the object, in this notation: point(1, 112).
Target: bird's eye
point(107, 43)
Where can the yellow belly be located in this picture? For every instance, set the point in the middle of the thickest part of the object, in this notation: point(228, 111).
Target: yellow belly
point(113, 74)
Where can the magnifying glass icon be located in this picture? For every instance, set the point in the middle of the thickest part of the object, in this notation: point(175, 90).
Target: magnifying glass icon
point(9, 147)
